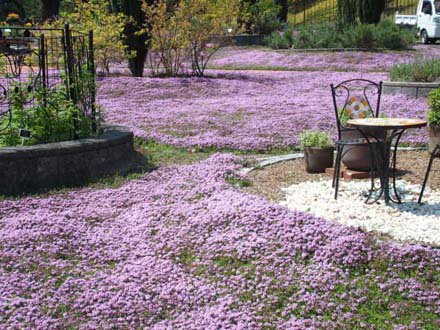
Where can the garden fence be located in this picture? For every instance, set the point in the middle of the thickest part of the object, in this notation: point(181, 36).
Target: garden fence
point(325, 11)
point(40, 59)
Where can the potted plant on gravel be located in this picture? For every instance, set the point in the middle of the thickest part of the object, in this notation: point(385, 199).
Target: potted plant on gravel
point(434, 119)
point(318, 150)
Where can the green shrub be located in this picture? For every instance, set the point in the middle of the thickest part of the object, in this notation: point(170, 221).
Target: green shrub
point(391, 36)
point(421, 70)
point(316, 139)
point(310, 36)
point(434, 107)
point(278, 41)
point(361, 36)
point(384, 35)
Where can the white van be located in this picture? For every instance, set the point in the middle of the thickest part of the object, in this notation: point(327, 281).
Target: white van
point(427, 20)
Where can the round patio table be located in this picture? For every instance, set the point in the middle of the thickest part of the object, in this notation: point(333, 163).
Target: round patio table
point(389, 131)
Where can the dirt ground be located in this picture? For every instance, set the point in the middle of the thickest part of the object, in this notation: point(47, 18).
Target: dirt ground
point(269, 181)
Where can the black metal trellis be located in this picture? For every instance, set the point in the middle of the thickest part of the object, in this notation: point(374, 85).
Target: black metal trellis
point(43, 58)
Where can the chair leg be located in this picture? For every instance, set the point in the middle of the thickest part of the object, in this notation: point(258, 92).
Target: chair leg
point(434, 153)
point(336, 166)
point(338, 169)
point(373, 167)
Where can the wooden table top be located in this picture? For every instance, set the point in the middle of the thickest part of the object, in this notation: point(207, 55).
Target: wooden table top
point(388, 123)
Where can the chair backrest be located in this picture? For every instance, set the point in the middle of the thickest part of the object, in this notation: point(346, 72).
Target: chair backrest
point(355, 98)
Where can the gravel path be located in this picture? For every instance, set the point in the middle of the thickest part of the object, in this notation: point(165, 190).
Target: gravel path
point(288, 183)
point(408, 221)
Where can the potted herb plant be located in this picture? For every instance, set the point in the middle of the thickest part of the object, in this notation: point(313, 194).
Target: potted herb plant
point(318, 150)
point(434, 119)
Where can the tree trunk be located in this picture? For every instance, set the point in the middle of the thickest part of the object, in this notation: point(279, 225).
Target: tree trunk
point(370, 11)
point(136, 43)
point(284, 10)
point(50, 9)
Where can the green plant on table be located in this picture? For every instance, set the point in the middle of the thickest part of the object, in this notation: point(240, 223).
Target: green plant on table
point(434, 107)
point(315, 139)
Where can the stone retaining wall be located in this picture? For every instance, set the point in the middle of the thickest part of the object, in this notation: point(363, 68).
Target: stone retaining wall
point(415, 89)
point(69, 163)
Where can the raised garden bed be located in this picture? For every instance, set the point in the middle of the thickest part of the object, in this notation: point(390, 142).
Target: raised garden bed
point(33, 168)
point(415, 89)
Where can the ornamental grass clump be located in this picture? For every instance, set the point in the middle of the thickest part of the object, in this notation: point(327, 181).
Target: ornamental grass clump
point(421, 70)
point(366, 36)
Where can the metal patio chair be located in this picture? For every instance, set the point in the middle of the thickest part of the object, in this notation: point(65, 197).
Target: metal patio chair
point(435, 153)
point(355, 98)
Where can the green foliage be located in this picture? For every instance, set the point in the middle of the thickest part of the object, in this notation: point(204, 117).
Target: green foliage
point(107, 28)
point(316, 139)
point(280, 40)
point(370, 11)
point(266, 17)
point(260, 17)
point(434, 107)
point(347, 10)
point(48, 114)
point(361, 36)
point(384, 35)
point(421, 70)
point(391, 36)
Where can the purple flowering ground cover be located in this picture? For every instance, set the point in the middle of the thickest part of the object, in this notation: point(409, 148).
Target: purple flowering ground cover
point(247, 110)
point(182, 249)
point(353, 61)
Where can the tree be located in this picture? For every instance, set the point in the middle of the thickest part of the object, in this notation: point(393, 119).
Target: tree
point(370, 11)
point(50, 9)
point(135, 39)
point(284, 10)
point(347, 10)
point(182, 34)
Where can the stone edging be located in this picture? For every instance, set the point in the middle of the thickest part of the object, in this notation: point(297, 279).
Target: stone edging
point(278, 159)
point(33, 168)
point(333, 50)
point(415, 89)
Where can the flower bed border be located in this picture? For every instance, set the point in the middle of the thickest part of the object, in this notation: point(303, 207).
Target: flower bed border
point(69, 163)
point(415, 89)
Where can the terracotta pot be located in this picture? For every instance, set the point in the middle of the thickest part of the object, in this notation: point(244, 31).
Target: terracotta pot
point(434, 137)
point(358, 158)
point(318, 159)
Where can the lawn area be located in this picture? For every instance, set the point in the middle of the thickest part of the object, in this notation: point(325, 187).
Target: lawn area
point(180, 246)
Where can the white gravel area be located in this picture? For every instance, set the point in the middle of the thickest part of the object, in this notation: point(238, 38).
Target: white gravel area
point(408, 221)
